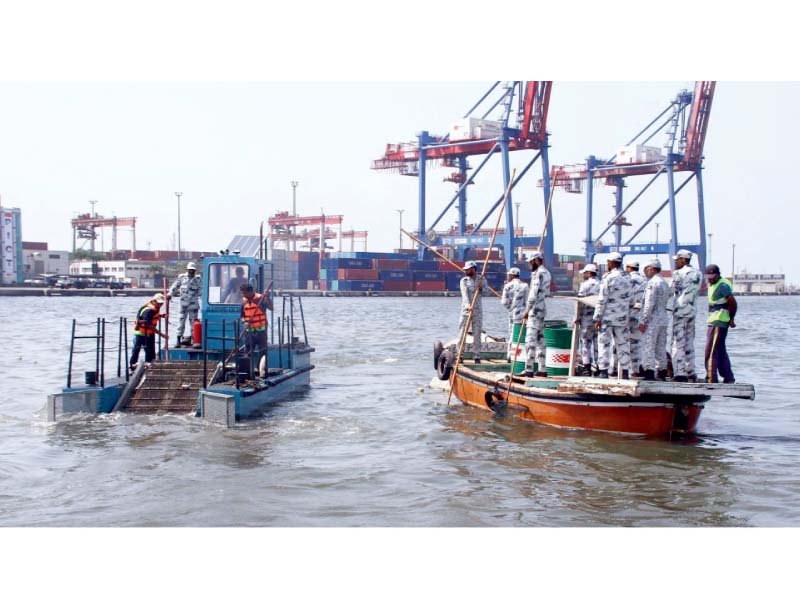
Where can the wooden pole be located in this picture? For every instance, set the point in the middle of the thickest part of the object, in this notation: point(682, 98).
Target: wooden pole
point(443, 257)
point(477, 291)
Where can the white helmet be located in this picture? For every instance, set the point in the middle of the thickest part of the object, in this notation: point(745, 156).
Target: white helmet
point(614, 257)
point(536, 254)
point(590, 268)
point(470, 264)
point(159, 297)
point(191, 266)
point(513, 271)
point(655, 263)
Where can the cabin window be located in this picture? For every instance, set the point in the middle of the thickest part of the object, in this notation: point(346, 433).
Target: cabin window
point(225, 281)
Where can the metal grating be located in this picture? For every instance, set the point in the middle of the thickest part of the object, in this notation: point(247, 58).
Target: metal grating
point(218, 408)
point(75, 402)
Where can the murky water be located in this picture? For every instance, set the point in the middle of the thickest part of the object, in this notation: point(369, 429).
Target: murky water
point(364, 446)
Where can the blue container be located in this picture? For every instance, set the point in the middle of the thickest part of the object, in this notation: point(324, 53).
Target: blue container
point(395, 275)
point(429, 276)
point(347, 263)
point(424, 265)
point(357, 286)
point(453, 281)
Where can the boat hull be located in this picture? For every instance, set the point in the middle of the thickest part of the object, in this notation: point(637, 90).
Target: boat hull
point(652, 417)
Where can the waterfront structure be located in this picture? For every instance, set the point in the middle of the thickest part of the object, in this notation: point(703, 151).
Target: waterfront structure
point(11, 271)
point(755, 283)
point(38, 259)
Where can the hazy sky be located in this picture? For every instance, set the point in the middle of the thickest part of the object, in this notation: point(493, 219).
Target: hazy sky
point(232, 149)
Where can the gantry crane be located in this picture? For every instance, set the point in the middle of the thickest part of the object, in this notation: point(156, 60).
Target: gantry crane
point(689, 133)
point(522, 125)
point(84, 226)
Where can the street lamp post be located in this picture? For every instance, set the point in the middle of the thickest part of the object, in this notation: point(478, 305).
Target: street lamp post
point(294, 213)
point(710, 235)
point(178, 195)
point(400, 212)
point(733, 261)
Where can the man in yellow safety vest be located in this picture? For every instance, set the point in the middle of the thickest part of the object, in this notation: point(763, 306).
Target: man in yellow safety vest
point(721, 311)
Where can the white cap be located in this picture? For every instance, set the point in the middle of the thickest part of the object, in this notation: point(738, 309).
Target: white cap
point(683, 254)
point(513, 271)
point(534, 255)
point(470, 264)
point(159, 297)
point(632, 262)
point(615, 257)
point(590, 268)
point(191, 266)
point(654, 263)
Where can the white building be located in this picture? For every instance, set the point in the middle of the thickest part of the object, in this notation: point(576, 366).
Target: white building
point(753, 283)
point(138, 273)
point(39, 261)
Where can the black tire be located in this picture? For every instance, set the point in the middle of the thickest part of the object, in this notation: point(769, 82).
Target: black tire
point(445, 365)
point(438, 348)
point(495, 401)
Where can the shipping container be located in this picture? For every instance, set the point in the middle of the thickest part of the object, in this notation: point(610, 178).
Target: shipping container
point(358, 286)
point(429, 286)
point(447, 267)
point(347, 263)
point(398, 286)
point(428, 276)
point(390, 264)
point(423, 265)
point(357, 274)
point(395, 275)
point(453, 281)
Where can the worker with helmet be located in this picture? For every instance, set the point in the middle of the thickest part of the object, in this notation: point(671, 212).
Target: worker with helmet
point(145, 329)
point(611, 318)
point(638, 283)
point(590, 286)
point(686, 282)
point(189, 287)
point(653, 321)
point(472, 284)
point(535, 313)
point(515, 294)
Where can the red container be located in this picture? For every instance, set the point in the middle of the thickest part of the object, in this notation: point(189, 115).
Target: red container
point(446, 266)
point(430, 286)
point(323, 285)
point(392, 264)
point(398, 286)
point(358, 274)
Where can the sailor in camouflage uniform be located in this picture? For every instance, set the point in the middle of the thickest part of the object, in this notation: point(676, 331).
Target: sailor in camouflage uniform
point(653, 323)
point(686, 281)
point(535, 313)
point(611, 317)
point(189, 287)
point(469, 287)
point(638, 283)
point(515, 294)
point(589, 287)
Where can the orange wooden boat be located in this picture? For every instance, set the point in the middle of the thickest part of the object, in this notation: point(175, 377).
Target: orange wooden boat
point(637, 407)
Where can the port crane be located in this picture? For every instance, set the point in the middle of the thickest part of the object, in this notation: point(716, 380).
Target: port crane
point(522, 125)
point(685, 121)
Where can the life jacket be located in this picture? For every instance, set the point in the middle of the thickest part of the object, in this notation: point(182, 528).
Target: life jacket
point(142, 327)
point(254, 315)
point(718, 308)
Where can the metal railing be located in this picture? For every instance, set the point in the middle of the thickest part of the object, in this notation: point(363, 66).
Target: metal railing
point(99, 350)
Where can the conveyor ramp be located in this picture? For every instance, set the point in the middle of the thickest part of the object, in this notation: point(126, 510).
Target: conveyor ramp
point(168, 387)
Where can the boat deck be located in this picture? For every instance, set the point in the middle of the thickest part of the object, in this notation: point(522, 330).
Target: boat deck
point(497, 371)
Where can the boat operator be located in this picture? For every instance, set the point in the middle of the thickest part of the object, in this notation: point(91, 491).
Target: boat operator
point(189, 287)
point(469, 287)
point(255, 317)
point(535, 313)
point(146, 328)
point(515, 294)
point(234, 287)
point(589, 287)
point(611, 318)
point(721, 311)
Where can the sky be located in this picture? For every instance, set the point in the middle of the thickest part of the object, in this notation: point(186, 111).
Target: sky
point(232, 149)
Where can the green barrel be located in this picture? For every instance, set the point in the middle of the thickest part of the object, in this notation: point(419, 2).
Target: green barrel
point(518, 336)
point(559, 344)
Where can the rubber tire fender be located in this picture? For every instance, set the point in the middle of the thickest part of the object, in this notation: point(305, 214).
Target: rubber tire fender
point(445, 365)
point(438, 348)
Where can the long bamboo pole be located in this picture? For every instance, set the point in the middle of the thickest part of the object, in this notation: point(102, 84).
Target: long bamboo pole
point(443, 257)
point(478, 290)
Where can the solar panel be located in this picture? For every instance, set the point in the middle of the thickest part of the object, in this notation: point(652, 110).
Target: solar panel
point(247, 245)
